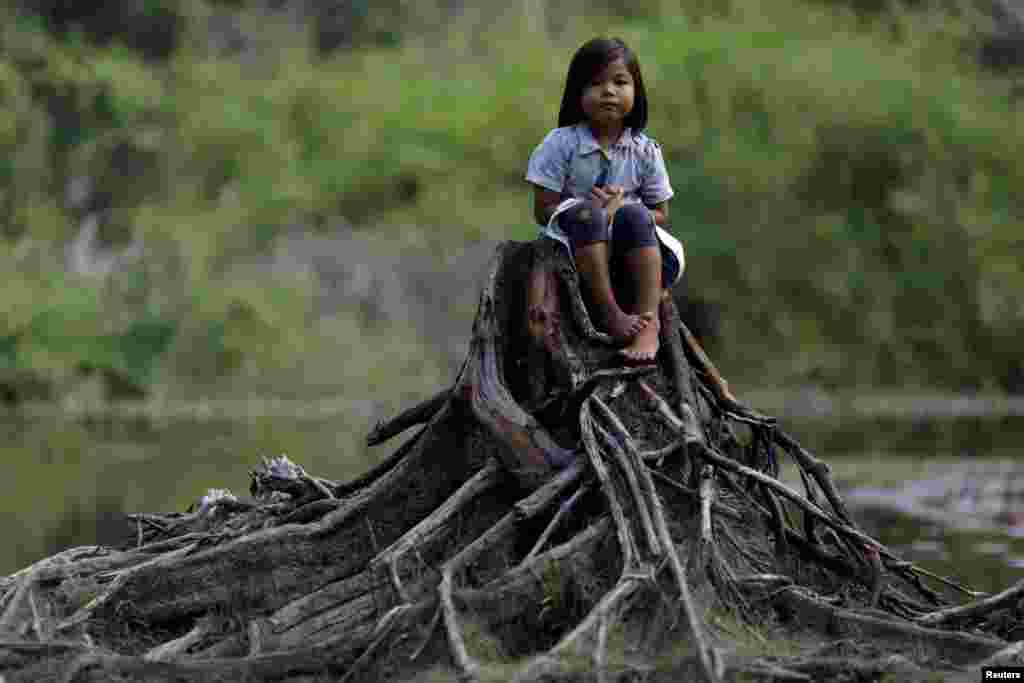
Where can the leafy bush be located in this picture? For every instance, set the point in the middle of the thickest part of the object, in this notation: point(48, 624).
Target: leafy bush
point(844, 184)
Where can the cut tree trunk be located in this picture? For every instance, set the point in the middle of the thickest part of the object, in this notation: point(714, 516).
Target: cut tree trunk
point(556, 515)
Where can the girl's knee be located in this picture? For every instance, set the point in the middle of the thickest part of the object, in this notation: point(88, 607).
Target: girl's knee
point(586, 223)
point(589, 213)
point(634, 227)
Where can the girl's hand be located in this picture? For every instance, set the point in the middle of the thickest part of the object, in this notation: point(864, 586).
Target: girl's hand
point(615, 202)
point(601, 196)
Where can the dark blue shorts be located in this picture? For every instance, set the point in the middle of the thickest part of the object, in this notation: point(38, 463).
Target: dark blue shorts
point(633, 227)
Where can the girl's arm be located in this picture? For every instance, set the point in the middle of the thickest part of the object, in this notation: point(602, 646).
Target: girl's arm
point(548, 170)
point(660, 213)
point(544, 203)
point(655, 189)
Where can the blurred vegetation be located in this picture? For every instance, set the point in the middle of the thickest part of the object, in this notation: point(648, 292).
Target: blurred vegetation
point(845, 175)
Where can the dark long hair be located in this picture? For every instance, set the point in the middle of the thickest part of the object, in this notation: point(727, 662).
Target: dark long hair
point(589, 61)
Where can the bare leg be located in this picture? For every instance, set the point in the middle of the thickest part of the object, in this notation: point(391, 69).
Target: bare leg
point(643, 272)
point(592, 263)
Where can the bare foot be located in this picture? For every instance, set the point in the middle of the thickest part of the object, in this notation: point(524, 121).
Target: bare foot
point(624, 327)
point(644, 346)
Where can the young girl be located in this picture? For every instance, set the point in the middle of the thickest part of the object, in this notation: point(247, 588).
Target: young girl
point(601, 189)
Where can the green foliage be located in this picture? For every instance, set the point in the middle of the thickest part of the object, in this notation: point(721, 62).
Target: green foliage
point(867, 151)
point(66, 335)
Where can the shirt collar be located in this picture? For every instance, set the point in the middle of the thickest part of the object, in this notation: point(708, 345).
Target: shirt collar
point(588, 143)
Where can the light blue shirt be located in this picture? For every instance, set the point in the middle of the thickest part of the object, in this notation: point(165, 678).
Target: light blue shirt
point(570, 161)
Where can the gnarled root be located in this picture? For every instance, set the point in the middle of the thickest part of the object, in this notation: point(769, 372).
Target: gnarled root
point(552, 504)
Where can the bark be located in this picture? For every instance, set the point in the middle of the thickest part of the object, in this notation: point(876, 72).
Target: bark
point(555, 516)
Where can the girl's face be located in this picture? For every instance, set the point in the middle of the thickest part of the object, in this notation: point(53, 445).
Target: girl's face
point(608, 98)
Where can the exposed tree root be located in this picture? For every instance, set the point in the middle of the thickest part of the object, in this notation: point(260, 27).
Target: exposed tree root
point(978, 610)
point(409, 418)
point(554, 514)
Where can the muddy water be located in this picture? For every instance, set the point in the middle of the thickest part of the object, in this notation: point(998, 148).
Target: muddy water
point(68, 480)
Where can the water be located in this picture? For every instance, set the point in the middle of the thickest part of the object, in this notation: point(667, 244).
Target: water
point(985, 560)
point(894, 466)
point(69, 479)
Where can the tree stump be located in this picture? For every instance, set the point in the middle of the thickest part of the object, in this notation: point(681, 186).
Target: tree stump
point(555, 516)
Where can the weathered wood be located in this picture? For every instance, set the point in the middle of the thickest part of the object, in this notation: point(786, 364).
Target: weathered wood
point(563, 510)
point(639, 500)
point(418, 414)
point(530, 451)
point(627, 546)
point(1009, 597)
point(936, 645)
point(680, 369)
point(700, 359)
point(482, 523)
point(421, 534)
